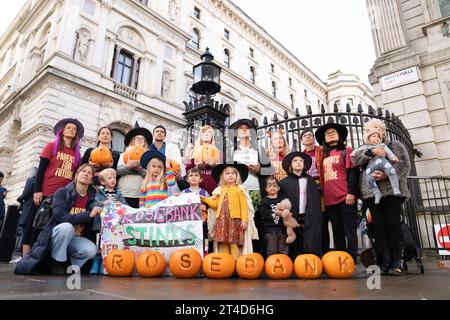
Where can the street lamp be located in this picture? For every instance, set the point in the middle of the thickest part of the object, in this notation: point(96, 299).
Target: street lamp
point(206, 76)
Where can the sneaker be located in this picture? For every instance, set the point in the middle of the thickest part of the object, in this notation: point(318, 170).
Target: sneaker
point(57, 268)
point(15, 260)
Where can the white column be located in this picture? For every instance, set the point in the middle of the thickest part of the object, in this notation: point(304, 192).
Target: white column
point(157, 75)
point(102, 43)
point(70, 21)
point(108, 55)
point(180, 80)
point(145, 74)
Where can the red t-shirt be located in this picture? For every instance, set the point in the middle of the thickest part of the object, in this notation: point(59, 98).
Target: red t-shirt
point(60, 169)
point(79, 206)
point(335, 176)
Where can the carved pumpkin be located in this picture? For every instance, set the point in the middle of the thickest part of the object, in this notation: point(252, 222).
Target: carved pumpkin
point(279, 266)
point(101, 155)
point(206, 153)
point(308, 266)
point(185, 263)
point(133, 153)
point(120, 263)
point(151, 264)
point(218, 265)
point(250, 266)
point(338, 264)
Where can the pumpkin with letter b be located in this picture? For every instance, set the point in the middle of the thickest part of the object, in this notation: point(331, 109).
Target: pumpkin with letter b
point(250, 266)
point(218, 265)
point(151, 264)
point(308, 266)
point(338, 264)
point(101, 155)
point(279, 266)
point(120, 263)
point(133, 153)
point(185, 263)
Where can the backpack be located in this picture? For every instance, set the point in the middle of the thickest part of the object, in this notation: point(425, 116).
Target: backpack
point(43, 214)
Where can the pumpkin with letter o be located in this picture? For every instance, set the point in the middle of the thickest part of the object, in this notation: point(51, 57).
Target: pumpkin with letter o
point(279, 266)
point(250, 266)
point(308, 266)
point(120, 263)
point(218, 265)
point(133, 153)
point(150, 264)
point(185, 263)
point(101, 155)
point(338, 264)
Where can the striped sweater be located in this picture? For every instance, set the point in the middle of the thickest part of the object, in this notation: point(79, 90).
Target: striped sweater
point(152, 193)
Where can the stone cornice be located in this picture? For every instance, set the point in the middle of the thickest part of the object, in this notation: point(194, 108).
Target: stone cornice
point(39, 130)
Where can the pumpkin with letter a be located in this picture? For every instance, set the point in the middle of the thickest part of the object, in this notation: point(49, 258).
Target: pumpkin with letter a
point(338, 264)
point(218, 265)
point(120, 263)
point(101, 155)
point(308, 266)
point(250, 266)
point(279, 266)
point(185, 263)
point(133, 153)
point(151, 264)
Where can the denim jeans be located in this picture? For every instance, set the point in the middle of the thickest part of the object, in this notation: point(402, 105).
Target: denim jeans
point(64, 242)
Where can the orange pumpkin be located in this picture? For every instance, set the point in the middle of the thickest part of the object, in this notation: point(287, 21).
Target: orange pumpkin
point(151, 264)
point(279, 266)
point(338, 264)
point(369, 217)
point(101, 155)
point(308, 266)
point(175, 166)
point(218, 265)
point(206, 153)
point(185, 263)
point(120, 263)
point(133, 153)
point(250, 266)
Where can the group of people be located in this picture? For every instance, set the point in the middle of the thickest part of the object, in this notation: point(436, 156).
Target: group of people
point(239, 191)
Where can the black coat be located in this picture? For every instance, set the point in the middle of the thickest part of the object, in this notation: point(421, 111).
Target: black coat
point(63, 201)
point(26, 201)
point(312, 230)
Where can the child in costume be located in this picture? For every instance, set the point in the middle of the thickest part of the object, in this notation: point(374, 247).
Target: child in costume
point(231, 222)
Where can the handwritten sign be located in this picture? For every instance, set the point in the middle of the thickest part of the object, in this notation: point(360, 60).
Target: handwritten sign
point(247, 157)
point(172, 224)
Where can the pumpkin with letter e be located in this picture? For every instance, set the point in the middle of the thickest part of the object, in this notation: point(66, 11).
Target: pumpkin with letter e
point(218, 265)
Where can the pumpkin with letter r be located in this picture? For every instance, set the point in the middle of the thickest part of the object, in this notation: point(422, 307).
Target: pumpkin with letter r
point(120, 263)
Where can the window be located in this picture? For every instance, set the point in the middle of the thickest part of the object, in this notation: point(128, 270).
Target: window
point(252, 53)
point(444, 5)
point(226, 34)
point(124, 68)
point(290, 82)
point(274, 89)
point(196, 13)
point(195, 42)
point(292, 101)
point(350, 101)
point(226, 58)
point(118, 141)
point(272, 68)
point(252, 75)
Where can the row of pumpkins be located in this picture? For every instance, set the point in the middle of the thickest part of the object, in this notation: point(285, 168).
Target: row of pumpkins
point(186, 263)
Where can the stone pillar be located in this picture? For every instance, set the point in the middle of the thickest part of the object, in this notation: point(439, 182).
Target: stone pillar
point(387, 29)
point(145, 75)
point(116, 61)
point(157, 77)
point(108, 55)
point(102, 43)
point(180, 80)
point(69, 24)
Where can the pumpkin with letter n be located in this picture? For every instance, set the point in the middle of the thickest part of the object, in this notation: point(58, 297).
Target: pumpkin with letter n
point(120, 263)
point(185, 263)
point(133, 153)
point(101, 156)
point(279, 266)
point(308, 266)
point(218, 265)
point(250, 266)
point(338, 264)
point(151, 264)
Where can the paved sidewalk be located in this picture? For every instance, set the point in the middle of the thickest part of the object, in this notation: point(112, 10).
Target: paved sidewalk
point(434, 284)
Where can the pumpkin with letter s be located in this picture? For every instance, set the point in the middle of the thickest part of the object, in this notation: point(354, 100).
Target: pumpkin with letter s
point(308, 266)
point(338, 264)
point(279, 266)
point(250, 266)
point(133, 153)
point(120, 263)
point(101, 155)
point(218, 265)
point(151, 264)
point(185, 263)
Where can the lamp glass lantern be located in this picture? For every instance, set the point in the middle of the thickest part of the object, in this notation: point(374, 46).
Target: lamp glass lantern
point(206, 76)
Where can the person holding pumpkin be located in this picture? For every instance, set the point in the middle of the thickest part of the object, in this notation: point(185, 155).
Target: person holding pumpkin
point(102, 157)
point(129, 170)
point(157, 181)
point(340, 186)
point(278, 149)
point(231, 223)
